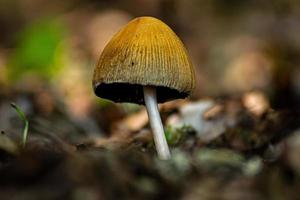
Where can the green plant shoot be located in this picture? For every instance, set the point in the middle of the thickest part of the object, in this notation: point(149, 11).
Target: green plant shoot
point(25, 120)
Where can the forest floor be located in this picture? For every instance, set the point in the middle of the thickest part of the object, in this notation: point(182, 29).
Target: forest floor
point(235, 151)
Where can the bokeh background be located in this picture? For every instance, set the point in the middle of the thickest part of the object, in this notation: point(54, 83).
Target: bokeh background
point(48, 51)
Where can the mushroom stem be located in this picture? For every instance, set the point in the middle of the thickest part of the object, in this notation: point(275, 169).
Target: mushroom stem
point(155, 123)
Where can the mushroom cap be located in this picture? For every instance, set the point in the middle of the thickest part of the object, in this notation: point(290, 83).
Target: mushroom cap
point(146, 52)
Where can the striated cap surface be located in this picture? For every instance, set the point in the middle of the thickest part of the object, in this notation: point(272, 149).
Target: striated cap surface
point(144, 52)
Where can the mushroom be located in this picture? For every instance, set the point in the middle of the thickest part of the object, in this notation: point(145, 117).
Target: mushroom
point(145, 63)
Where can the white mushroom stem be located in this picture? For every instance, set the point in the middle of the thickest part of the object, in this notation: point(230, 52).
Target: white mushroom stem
point(155, 123)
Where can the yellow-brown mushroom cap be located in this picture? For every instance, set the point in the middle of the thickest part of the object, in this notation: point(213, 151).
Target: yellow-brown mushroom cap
point(146, 52)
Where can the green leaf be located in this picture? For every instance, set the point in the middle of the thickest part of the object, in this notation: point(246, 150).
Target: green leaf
point(24, 119)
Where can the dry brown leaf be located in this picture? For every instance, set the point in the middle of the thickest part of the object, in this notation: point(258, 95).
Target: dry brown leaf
point(135, 121)
point(256, 103)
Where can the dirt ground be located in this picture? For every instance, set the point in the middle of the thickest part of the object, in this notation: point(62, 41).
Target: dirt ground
point(252, 156)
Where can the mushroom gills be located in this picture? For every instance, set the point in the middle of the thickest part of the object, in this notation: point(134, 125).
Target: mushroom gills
point(133, 93)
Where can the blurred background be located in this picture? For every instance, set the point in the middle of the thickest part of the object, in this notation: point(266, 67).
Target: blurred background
point(48, 51)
